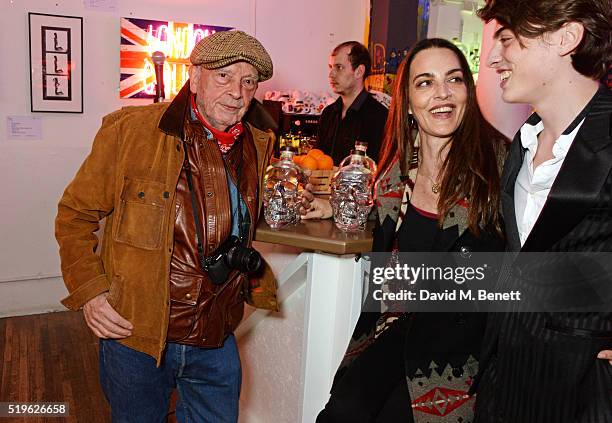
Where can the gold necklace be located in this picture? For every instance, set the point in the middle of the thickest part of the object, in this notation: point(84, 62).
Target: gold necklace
point(435, 186)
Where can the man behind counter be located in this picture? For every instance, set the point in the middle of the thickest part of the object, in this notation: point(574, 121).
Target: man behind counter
point(356, 115)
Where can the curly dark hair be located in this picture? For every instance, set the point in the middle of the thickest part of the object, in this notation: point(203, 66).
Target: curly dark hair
point(533, 18)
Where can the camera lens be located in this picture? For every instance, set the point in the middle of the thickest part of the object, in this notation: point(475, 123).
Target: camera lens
point(247, 260)
point(252, 261)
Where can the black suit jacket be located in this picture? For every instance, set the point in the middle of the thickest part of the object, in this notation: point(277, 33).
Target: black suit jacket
point(542, 367)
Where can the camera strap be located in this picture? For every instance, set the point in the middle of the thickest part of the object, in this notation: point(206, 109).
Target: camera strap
point(194, 206)
point(196, 212)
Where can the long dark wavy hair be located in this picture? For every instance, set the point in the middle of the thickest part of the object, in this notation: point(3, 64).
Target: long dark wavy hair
point(471, 167)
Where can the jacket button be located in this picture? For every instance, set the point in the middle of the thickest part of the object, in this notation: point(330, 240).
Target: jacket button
point(141, 194)
point(209, 194)
point(204, 339)
point(188, 296)
point(166, 194)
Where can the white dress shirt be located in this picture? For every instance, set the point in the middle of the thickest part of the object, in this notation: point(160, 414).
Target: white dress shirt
point(532, 186)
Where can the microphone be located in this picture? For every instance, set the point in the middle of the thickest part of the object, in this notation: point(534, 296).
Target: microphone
point(158, 59)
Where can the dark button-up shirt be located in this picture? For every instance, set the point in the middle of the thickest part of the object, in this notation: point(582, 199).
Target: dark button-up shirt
point(364, 121)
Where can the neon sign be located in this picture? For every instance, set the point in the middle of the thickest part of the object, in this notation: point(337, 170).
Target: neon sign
point(141, 37)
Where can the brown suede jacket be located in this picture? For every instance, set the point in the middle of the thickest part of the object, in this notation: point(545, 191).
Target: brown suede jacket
point(135, 159)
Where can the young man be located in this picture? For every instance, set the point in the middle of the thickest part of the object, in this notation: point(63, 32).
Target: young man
point(174, 181)
point(556, 197)
point(356, 115)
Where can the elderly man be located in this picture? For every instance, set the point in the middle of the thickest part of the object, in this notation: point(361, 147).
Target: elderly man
point(179, 187)
point(356, 115)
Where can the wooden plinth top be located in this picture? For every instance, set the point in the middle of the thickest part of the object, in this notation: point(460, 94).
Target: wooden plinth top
point(318, 235)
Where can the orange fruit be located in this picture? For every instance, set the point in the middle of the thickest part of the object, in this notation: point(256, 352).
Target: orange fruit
point(315, 152)
point(325, 162)
point(298, 159)
point(309, 163)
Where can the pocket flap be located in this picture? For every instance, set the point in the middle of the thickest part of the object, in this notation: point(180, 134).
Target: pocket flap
point(185, 289)
point(579, 332)
point(141, 213)
point(144, 192)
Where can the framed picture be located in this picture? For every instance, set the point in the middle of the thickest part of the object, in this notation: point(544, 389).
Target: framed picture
point(56, 63)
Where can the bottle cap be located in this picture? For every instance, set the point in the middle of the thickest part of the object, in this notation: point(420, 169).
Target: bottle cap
point(361, 145)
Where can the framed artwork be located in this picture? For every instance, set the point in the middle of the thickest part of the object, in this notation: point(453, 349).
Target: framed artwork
point(56, 63)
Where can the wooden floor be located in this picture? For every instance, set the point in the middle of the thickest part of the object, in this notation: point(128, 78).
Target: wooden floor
point(52, 358)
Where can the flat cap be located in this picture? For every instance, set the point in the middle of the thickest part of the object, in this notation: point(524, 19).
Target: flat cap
point(226, 47)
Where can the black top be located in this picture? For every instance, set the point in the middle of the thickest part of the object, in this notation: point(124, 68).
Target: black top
point(364, 121)
point(419, 231)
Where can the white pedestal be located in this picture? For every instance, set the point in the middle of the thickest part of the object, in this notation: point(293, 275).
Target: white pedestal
point(289, 358)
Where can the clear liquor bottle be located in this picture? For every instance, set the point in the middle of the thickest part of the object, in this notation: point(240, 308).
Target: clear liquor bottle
point(284, 182)
point(368, 161)
point(351, 192)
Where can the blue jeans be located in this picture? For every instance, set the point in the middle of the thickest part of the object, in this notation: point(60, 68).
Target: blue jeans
point(207, 380)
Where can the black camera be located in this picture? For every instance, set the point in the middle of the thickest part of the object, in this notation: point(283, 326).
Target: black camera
point(231, 255)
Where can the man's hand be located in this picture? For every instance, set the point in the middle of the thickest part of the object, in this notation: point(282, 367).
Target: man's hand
point(103, 320)
point(307, 199)
point(605, 355)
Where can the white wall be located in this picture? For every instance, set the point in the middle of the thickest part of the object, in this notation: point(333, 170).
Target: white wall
point(444, 21)
point(298, 35)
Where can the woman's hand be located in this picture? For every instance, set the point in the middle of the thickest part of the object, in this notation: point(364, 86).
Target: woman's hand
point(307, 199)
point(319, 209)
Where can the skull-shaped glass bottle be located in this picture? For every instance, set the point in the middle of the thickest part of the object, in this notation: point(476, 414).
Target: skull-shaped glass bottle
point(283, 184)
point(351, 193)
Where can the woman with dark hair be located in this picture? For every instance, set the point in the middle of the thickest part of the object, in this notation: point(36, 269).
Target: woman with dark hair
point(437, 190)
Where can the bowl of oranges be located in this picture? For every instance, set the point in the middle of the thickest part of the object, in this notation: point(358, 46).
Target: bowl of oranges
point(321, 166)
